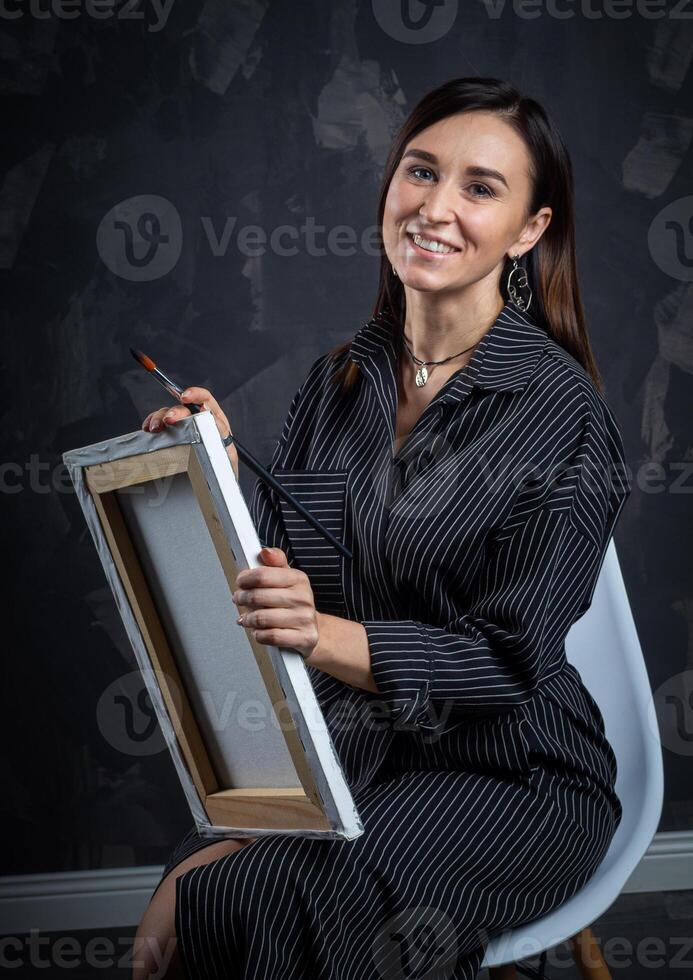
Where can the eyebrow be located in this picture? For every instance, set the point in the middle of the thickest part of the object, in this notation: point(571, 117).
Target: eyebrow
point(472, 171)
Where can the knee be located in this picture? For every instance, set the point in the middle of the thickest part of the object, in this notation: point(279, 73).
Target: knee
point(155, 957)
point(155, 953)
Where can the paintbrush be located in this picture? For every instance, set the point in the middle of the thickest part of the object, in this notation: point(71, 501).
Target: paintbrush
point(175, 389)
point(171, 386)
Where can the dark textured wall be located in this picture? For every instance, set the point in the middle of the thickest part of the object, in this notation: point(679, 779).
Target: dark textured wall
point(136, 154)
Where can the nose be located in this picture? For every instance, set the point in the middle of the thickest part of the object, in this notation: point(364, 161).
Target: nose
point(438, 203)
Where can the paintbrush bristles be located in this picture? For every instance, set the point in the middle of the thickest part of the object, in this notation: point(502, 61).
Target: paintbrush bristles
point(145, 361)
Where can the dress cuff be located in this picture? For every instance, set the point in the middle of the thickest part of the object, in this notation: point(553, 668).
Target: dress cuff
point(402, 665)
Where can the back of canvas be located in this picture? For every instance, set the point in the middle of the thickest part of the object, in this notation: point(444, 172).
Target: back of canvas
point(193, 600)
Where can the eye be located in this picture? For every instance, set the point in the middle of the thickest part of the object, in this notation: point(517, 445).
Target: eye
point(488, 193)
point(411, 170)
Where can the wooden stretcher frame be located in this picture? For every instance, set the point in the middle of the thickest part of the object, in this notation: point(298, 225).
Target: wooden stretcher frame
point(320, 804)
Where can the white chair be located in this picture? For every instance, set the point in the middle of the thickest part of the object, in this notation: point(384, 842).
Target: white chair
point(605, 648)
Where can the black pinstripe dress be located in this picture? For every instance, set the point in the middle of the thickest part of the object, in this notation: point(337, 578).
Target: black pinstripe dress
point(488, 795)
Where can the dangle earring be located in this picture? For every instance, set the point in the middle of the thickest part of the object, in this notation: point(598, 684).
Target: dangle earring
point(521, 283)
point(394, 272)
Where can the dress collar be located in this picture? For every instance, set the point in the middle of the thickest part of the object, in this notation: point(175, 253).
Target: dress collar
point(504, 360)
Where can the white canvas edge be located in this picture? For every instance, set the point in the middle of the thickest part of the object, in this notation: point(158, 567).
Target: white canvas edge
point(200, 430)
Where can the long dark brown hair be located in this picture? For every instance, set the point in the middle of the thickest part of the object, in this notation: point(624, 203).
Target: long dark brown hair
point(550, 265)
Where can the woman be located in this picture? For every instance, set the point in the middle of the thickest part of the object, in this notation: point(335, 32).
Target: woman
point(461, 445)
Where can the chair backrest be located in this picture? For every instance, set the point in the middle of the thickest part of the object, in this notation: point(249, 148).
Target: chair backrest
point(605, 648)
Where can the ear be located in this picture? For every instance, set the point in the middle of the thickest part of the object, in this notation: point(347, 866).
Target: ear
point(532, 232)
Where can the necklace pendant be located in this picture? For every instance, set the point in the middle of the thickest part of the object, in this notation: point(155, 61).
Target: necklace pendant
point(421, 376)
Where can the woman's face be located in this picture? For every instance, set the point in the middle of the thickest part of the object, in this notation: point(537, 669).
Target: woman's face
point(463, 181)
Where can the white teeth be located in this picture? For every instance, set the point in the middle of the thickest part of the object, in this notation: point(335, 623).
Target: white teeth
point(432, 246)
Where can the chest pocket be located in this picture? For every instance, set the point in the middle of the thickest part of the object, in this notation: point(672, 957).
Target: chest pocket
point(323, 493)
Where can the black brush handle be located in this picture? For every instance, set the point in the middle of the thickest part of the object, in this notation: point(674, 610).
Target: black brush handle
point(255, 465)
point(267, 477)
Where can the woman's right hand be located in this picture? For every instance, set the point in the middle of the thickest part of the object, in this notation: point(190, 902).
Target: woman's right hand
point(157, 420)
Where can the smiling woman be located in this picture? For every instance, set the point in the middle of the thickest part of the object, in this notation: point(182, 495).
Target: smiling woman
point(446, 232)
point(478, 507)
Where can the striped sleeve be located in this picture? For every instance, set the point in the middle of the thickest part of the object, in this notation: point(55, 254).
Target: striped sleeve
point(536, 580)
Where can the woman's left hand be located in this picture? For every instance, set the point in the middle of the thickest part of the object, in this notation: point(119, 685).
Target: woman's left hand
point(277, 605)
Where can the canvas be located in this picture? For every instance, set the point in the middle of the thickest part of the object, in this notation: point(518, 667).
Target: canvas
point(240, 718)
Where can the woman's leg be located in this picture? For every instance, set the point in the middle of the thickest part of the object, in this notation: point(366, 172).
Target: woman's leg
point(155, 948)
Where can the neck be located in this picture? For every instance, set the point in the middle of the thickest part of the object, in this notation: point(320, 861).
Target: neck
point(438, 325)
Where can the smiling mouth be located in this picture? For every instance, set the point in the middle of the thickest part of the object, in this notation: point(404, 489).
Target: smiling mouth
point(430, 246)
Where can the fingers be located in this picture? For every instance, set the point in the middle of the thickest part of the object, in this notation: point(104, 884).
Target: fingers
point(277, 606)
point(271, 577)
point(206, 399)
point(264, 598)
point(288, 633)
point(197, 395)
point(277, 619)
point(153, 421)
point(171, 414)
point(164, 416)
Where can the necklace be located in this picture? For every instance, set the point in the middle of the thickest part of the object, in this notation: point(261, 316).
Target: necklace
point(422, 373)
